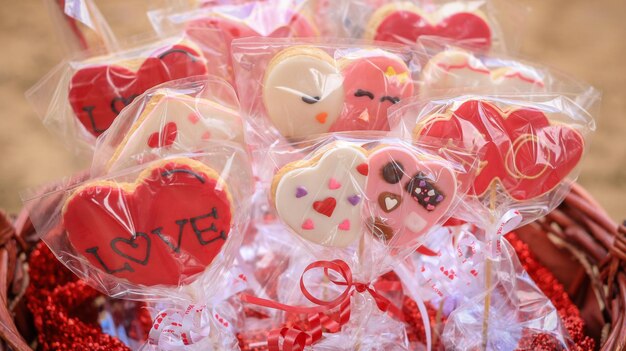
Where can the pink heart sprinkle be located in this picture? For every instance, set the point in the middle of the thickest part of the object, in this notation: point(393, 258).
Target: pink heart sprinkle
point(333, 184)
point(345, 225)
point(308, 224)
point(206, 135)
point(193, 118)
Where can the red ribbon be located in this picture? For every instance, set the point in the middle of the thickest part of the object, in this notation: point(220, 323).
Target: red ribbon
point(320, 316)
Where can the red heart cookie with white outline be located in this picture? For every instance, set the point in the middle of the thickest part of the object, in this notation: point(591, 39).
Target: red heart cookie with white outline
point(407, 195)
point(162, 229)
point(519, 147)
point(97, 93)
point(405, 23)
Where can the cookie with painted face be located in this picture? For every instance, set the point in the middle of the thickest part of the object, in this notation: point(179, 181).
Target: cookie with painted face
point(175, 124)
point(407, 195)
point(321, 199)
point(458, 69)
point(374, 80)
point(303, 91)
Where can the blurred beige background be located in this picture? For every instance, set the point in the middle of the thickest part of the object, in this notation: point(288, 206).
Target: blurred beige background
point(584, 38)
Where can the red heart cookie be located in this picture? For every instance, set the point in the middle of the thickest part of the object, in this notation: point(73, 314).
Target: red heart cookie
point(164, 228)
point(98, 93)
point(405, 24)
point(519, 147)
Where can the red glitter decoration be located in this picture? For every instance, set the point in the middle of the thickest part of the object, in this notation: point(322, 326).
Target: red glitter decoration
point(63, 308)
point(569, 313)
point(66, 317)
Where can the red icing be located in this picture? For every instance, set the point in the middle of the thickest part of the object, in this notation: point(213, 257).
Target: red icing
point(98, 93)
point(167, 198)
point(325, 207)
point(521, 148)
point(166, 137)
point(407, 26)
point(363, 168)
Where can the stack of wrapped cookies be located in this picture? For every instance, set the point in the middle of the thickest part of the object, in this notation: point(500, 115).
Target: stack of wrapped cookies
point(310, 175)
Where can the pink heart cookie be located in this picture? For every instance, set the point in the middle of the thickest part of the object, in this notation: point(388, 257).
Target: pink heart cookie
point(406, 195)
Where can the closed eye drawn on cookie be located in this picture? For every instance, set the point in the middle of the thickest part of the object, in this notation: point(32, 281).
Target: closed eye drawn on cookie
point(310, 99)
point(361, 93)
point(392, 99)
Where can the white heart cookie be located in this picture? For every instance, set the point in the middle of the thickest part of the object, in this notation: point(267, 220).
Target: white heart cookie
point(322, 201)
point(458, 69)
point(174, 124)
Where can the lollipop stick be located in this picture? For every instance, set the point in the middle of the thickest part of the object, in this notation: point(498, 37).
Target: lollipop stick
point(488, 264)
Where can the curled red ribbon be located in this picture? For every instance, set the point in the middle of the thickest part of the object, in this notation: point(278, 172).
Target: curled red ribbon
point(320, 317)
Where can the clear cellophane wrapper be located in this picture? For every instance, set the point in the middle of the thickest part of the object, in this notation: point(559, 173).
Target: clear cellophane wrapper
point(279, 18)
point(167, 229)
point(455, 280)
point(177, 117)
point(80, 98)
point(80, 26)
point(474, 22)
point(342, 85)
point(529, 146)
point(366, 199)
point(452, 68)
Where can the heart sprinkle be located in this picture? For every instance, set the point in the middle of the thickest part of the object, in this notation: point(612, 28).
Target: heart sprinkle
point(363, 168)
point(301, 192)
point(308, 224)
point(325, 207)
point(354, 199)
point(333, 184)
point(345, 225)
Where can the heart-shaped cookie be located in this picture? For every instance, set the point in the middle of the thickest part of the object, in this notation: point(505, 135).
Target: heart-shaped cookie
point(406, 195)
point(405, 23)
point(170, 124)
point(520, 148)
point(321, 199)
point(162, 229)
point(458, 69)
point(98, 92)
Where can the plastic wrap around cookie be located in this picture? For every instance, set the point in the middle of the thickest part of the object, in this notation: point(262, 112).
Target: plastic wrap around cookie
point(79, 100)
point(163, 228)
point(363, 200)
point(529, 147)
point(339, 87)
point(179, 117)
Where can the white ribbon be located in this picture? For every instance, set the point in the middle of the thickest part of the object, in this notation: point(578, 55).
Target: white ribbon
point(507, 223)
point(176, 328)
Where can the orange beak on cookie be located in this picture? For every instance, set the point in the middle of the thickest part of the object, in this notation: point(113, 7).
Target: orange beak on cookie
point(321, 117)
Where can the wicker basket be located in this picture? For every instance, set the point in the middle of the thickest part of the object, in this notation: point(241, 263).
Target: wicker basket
point(578, 242)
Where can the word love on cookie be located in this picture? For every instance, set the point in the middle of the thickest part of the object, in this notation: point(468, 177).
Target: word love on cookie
point(398, 196)
point(163, 229)
point(520, 148)
point(98, 92)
